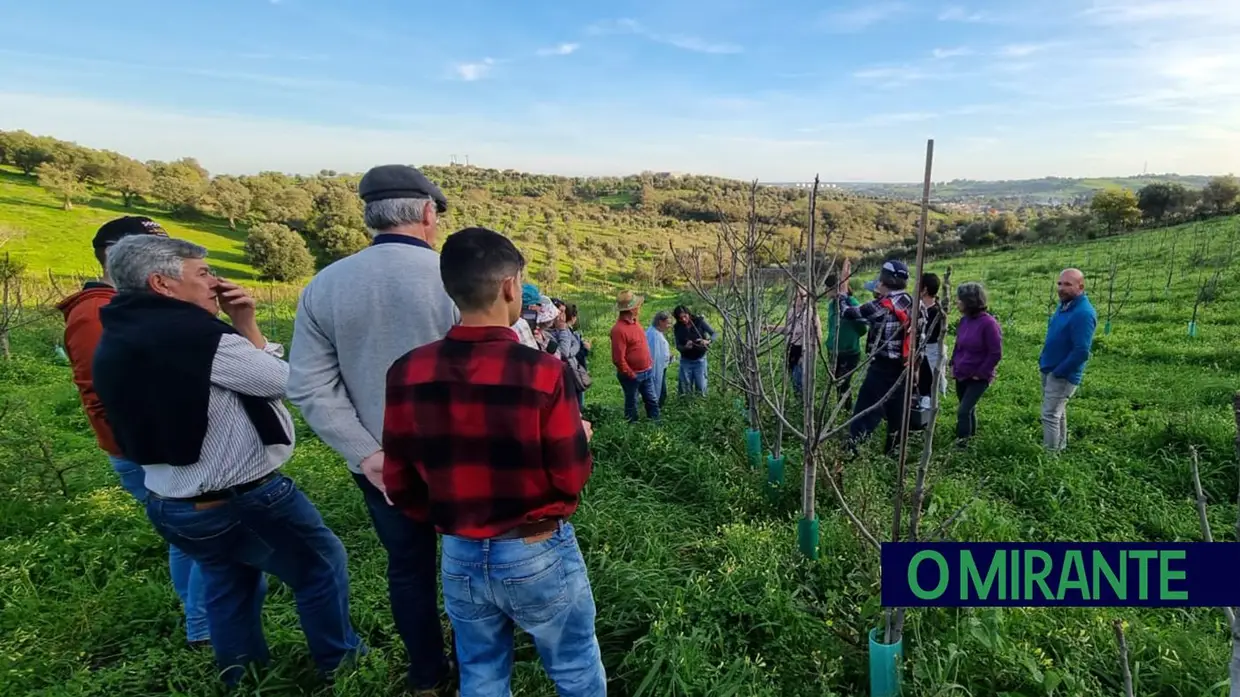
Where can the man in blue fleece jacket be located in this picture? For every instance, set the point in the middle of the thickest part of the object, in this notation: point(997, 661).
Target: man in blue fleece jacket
point(1068, 340)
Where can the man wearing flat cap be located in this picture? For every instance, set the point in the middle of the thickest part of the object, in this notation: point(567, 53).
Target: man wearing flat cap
point(354, 319)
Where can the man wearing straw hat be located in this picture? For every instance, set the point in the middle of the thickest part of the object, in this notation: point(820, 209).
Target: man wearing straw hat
point(631, 355)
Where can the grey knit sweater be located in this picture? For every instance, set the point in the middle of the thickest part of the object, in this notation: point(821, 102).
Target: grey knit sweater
point(354, 319)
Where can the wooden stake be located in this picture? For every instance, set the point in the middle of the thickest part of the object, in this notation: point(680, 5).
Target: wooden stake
point(910, 373)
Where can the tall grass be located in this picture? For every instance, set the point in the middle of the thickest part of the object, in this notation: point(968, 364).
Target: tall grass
point(699, 587)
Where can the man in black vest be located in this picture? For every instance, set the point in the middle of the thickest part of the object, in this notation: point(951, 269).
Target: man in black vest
point(197, 403)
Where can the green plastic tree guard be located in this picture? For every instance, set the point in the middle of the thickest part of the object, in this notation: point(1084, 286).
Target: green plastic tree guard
point(61, 356)
point(807, 537)
point(885, 662)
point(775, 470)
point(1106, 328)
point(1192, 328)
point(753, 447)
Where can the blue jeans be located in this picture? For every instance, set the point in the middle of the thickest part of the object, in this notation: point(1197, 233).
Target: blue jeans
point(186, 577)
point(413, 585)
point(541, 586)
point(275, 529)
point(693, 376)
point(644, 386)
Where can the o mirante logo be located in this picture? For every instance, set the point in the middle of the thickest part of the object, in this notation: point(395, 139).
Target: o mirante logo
point(1094, 574)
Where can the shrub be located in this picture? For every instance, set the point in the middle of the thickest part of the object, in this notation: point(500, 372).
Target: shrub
point(278, 253)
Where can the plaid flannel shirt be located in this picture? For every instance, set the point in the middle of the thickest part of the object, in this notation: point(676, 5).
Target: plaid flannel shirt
point(480, 434)
point(886, 330)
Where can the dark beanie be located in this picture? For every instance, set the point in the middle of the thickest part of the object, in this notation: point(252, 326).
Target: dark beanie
point(399, 181)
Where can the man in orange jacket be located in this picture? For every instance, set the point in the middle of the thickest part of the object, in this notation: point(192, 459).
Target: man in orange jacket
point(82, 332)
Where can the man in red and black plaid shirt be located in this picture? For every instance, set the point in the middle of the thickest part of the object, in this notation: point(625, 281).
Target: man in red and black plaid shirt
point(483, 437)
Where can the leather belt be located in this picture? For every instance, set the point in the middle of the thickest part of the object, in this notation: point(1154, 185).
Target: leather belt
point(220, 496)
point(534, 529)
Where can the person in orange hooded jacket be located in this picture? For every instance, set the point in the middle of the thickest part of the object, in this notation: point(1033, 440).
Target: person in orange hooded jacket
point(82, 332)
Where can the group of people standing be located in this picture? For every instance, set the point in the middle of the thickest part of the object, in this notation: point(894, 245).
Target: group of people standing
point(453, 392)
point(885, 322)
point(643, 358)
point(411, 366)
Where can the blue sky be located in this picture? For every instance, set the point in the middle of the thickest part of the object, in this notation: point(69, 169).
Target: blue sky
point(778, 91)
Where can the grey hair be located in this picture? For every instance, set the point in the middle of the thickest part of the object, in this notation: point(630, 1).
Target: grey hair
point(381, 216)
point(133, 259)
point(973, 297)
point(661, 316)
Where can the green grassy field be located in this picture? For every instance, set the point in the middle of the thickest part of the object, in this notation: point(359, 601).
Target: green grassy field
point(46, 237)
point(698, 583)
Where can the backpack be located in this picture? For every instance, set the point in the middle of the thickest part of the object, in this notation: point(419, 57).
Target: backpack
point(904, 322)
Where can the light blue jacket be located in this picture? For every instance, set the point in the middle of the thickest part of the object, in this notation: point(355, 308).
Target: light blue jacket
point(660, 354)
point(1069, 337)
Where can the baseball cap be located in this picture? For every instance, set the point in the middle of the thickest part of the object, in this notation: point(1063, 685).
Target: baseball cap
point(113, 231)
point(547, 310)
point(891, 267)
point(399, 181)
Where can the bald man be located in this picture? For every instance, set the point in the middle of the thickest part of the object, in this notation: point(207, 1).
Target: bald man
point(1068, 340)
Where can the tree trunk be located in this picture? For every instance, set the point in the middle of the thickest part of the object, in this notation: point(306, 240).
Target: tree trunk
point(68, 204)
point(232, 223)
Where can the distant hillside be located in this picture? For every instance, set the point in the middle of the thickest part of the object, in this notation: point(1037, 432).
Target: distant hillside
point(1050, 191)
point(577, 230)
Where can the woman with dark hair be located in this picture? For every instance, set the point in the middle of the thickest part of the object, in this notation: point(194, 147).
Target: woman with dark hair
point(933, 330)
point(979, 348)
point(693, 337)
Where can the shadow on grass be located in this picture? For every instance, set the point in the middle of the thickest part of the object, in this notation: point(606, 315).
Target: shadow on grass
point(13, 201)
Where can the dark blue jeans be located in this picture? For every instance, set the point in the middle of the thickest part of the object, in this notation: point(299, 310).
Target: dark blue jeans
point(186, 576)
point(882, 376)
point(413, 585)
point(644, 386)
point(274, 529)
point(492, 586)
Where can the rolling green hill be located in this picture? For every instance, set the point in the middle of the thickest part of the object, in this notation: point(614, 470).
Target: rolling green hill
point(37, 232)
point(574, 230)
point(1044, 191)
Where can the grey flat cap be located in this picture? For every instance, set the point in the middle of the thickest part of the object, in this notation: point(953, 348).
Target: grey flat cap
point(399, 181)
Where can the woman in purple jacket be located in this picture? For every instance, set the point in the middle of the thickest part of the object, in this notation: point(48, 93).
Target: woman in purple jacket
point(979, 346)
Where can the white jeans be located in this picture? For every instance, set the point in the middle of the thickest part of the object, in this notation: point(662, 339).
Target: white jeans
point(1055, 395)
point(936, 354)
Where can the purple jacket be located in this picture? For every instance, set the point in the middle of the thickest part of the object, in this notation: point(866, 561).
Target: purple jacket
point(979, 346)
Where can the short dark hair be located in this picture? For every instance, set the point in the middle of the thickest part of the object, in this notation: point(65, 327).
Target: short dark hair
point(570, 311)
point(473, 263)
point(930, 284)
point(681, 310)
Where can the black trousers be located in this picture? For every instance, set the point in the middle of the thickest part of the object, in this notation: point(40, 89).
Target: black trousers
point(969, 392)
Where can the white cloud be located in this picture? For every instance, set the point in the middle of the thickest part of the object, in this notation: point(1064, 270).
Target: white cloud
point(861, 17)
point(681, 41)
point(1116, 12)
point(891, 76)
point(560, 50)
point(470, 72)
point(956, 13)
point(956, 52)
point(1023, 50)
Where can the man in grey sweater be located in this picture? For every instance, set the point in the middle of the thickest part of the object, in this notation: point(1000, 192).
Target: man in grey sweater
point(354, 319)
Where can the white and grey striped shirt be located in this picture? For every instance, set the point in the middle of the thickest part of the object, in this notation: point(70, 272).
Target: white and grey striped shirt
point(232, 452)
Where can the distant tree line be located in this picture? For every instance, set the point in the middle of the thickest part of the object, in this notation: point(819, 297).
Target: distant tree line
point(296, 223)
point(1110, 211)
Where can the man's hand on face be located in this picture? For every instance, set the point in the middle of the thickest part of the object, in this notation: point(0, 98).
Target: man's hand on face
point(372, 467)
point(235, 302)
